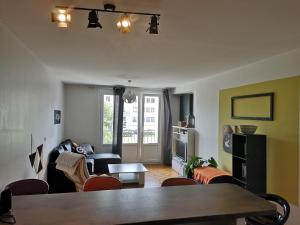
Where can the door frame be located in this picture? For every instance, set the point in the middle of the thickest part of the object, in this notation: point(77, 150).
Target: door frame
point(159, 143)
point(141, 93)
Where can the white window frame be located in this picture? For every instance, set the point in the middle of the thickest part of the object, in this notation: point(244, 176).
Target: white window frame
point(160, 116)
point(103, 91)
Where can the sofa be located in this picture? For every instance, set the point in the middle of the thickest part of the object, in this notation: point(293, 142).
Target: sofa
point(97, 163)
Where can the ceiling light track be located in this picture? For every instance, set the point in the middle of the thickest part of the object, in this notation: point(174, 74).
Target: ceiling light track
point(107, 11)
point(61, 15)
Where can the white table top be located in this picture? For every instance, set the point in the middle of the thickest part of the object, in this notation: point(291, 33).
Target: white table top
point(127, 168)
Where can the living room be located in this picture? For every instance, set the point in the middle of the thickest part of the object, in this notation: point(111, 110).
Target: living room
point(210, 50)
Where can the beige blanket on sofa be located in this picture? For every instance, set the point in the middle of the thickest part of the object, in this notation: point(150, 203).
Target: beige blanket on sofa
point(74, 167)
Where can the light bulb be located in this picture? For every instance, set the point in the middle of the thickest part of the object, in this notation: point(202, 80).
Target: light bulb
point(62, 17)
point(119, 24)
point(125, 23)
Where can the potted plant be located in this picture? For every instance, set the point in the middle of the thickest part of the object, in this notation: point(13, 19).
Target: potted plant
point(197, 161)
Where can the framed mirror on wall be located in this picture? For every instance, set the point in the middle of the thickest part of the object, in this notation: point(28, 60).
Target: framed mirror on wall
point(253, 107)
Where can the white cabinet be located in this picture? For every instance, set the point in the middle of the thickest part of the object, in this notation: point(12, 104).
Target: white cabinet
point(183, 147)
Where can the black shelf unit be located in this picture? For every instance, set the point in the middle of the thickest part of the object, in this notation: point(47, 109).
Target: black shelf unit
point(249, 162)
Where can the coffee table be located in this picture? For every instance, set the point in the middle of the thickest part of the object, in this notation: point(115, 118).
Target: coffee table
point(121, 171)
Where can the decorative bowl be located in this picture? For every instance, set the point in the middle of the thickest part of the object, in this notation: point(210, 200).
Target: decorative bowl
point(248, 129)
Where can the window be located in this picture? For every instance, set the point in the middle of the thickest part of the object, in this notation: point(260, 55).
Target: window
point(149, 119)
point(107, 98)
point(150, 133)
point(108, 111)
point(124, 122)
point(130, 129)
point(147, 109)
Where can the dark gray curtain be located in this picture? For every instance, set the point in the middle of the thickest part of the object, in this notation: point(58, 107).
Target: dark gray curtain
point(167, 130)
point(118, 120)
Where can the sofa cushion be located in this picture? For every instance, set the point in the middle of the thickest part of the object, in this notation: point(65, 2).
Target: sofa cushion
point(85, 149)
point(67, 145)
point(88, 149)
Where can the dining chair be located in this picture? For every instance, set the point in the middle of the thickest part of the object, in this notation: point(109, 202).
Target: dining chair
point(177, 181)
point(102, 183)
point(28, 187)
point(279, 218)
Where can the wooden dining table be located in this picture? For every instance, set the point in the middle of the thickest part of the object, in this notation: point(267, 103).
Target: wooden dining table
point(220, 204)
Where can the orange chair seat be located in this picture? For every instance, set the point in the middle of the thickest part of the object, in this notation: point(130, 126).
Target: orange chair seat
point(206, 174)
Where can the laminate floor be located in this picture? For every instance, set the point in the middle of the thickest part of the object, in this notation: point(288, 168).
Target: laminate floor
point(156, 174)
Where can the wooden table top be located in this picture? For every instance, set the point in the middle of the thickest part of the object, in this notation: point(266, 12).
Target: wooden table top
point(126, 168)
point(153, 205)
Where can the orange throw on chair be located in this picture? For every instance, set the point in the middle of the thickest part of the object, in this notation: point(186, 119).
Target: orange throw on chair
point(206, 174)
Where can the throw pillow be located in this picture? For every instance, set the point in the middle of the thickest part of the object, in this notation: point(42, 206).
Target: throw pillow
point(88, 150)
point(74, 147)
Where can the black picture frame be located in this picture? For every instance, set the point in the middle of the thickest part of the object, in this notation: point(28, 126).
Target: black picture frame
point(271, 109)
point(57, 116)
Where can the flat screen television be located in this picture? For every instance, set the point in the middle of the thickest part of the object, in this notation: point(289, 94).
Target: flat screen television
point(181, 150)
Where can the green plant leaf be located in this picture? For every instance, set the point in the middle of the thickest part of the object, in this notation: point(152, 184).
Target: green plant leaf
point(212, 162)
point(193, 163)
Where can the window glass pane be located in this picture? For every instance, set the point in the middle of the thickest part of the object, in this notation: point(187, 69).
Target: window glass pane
point(108, 111)
point(151, 109)
point(130, 122)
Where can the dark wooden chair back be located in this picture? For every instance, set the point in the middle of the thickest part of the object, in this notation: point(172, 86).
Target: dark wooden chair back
point(177, 181)
point(28, 187)
point(276, 219)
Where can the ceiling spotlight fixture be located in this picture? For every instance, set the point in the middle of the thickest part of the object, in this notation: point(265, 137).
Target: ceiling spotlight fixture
point(153, 29)
point(94, 20)
point(129, 95)
point(109, 7)
point(124, 24)
point(61, 17)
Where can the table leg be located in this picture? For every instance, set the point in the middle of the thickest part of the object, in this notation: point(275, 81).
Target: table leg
point(141, 178)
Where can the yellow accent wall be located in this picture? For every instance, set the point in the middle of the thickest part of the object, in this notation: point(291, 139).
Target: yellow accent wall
point(282, 133)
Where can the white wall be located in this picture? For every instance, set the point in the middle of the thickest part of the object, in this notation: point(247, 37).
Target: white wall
point(206, 98)
point(28, 96)
point(83, 116)
point(82, 106)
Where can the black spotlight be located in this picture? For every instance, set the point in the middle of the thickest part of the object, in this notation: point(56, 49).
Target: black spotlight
point(153, 29)
point(94, 20)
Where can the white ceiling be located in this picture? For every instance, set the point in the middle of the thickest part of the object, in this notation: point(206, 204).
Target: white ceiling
point(198, 38)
